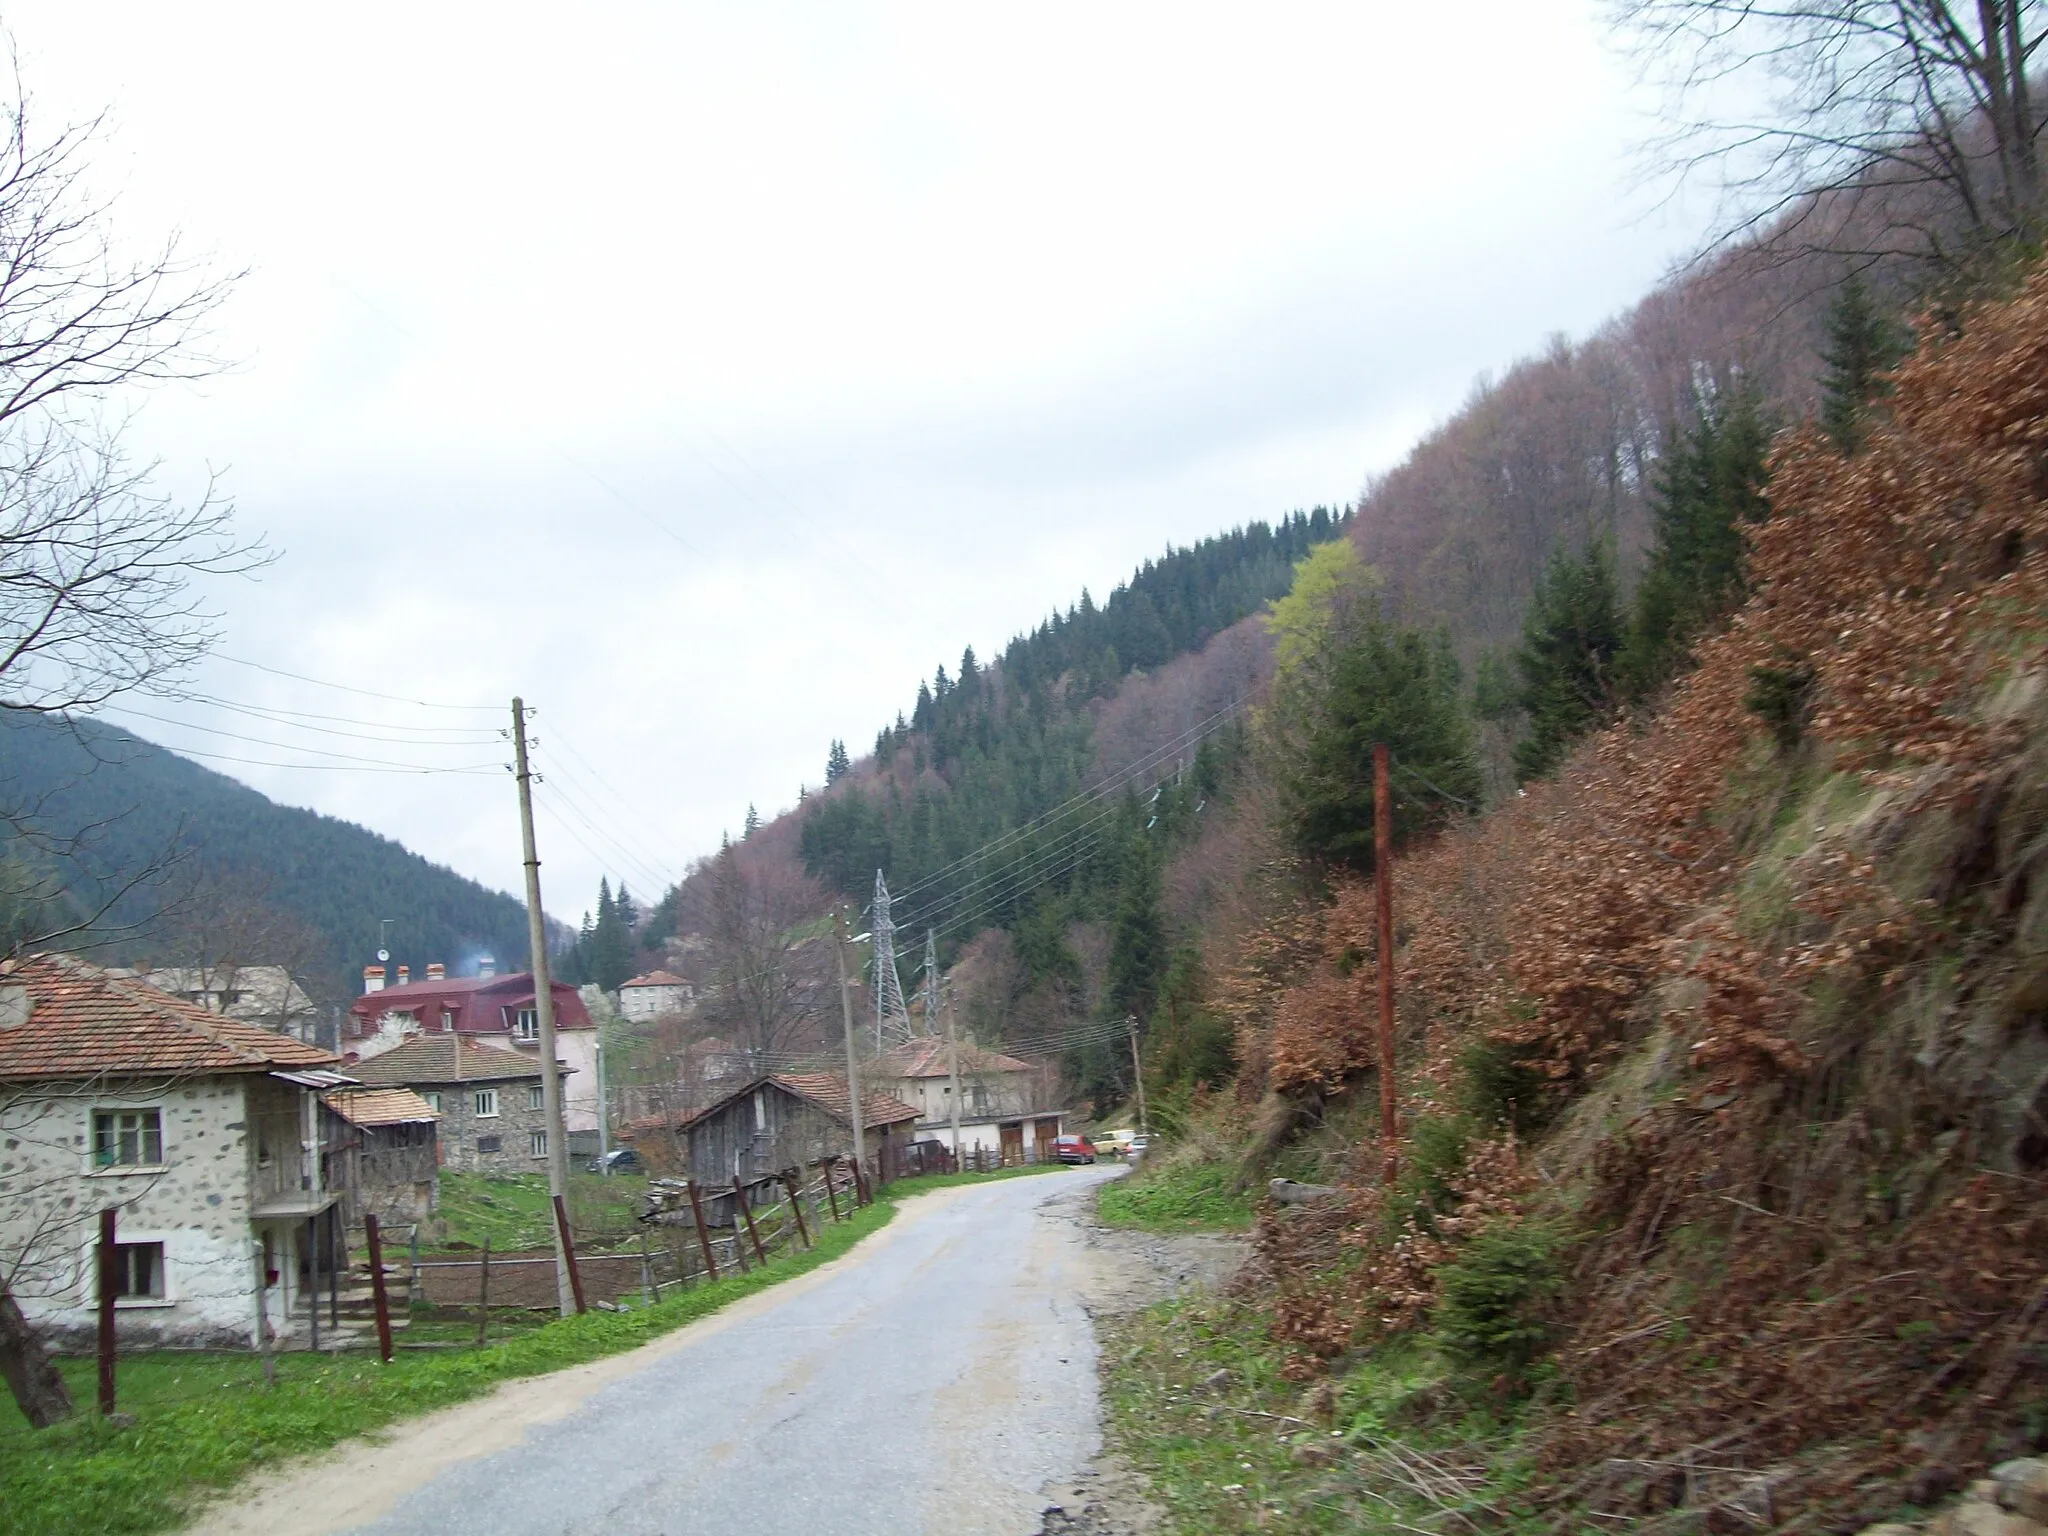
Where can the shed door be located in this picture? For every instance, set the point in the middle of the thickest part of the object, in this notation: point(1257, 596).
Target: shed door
point(1013, 1144)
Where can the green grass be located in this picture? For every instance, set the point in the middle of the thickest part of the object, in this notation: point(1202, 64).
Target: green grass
point(202, 1420)
point(1176, 1197)
point(514, 1211)
point(1252, 1451)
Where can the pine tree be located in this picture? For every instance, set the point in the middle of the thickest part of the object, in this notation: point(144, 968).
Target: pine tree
point(753, 822)
point(1384, 684)
point(1138, 951)
point(837, 763)
point(608, 947)
point(1566, 658)
point(1862, 344)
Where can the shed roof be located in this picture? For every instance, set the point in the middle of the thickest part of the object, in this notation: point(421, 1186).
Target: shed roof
point(379, 1106)
point(826, 1090)
point(927, 1057)
point(444, 1059)
point(82, 1022)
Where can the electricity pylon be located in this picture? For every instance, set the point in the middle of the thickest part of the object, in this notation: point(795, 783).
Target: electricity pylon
point(892, 1014)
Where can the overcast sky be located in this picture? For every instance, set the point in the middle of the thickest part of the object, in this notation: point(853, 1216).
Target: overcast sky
point(708, 374)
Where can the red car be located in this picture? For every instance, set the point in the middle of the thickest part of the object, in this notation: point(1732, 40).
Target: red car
point(1073, 1149)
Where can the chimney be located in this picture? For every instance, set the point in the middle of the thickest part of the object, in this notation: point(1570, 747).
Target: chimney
point(486, 966)
point(373, 979)
point(404, 976)
point(436, 971)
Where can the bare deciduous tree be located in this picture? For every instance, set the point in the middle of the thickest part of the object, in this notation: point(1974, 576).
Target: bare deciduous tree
point(767, 973)
point(1884, 127)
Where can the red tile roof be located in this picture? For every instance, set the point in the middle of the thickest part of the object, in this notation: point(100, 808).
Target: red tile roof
point(656, 979)
point(83, 1022)
point(828, 1091)
point(926, 1057)
point(379, 1106)
point(444, 1059)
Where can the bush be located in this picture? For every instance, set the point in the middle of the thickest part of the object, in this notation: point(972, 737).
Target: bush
point(1491, 1298)
point(1428, 1185)
point(1498, 1087)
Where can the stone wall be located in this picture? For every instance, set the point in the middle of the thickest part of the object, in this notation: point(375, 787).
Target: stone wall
point(465, 1135)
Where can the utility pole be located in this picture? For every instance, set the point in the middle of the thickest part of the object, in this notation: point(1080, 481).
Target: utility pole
point(604, 1124)
point(1383, 891)
point(1138, 1073)
point(953, 1073)
point(852, 1062)
point(544, 1007)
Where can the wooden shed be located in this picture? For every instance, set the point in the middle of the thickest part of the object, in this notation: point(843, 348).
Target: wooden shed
point(789, 1119)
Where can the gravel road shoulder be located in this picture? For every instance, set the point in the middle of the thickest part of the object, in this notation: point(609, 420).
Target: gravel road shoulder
point(1129, 1271)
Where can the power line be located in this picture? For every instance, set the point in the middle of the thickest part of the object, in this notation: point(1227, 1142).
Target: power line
point(282, 746)
point(222, 757)
point(388, 698)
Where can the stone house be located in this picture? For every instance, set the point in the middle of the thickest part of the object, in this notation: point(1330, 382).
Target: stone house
point(382, 1154)
point(1007, 1106)
point(488, 1100)
point(655, 995)
point(489, 1010)
point(775, 1122)
point(201, 1132)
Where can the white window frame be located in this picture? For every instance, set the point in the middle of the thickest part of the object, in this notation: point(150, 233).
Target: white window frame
point(526, 1025)
point(433, 1099)
point(118, 1170)
point(483, 1103)
point(89, 1270)
point(537, 1143)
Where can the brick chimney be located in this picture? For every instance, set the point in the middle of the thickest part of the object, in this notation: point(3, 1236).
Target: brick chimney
point(404, 976)
point(436, 971)
point(373, 979)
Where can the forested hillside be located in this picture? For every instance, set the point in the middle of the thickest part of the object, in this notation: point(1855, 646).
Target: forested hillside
point(212, 842)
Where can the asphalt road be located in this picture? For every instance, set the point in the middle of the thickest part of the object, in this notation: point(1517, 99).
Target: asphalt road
point(935, 1380)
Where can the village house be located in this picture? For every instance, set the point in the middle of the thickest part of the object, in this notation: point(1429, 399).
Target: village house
point(201, 1132)
point(489, 1101)
point(486, 1009)
point(1007, 1106)
point(264, 995)
point(382, 1154)
point(780, 1121)
point(656, 995)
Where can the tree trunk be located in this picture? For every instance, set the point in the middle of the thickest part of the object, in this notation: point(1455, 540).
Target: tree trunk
point(27, 1366)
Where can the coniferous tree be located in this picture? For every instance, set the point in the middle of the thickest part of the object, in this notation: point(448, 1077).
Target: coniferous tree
point(608, 946)
point(1862, 344)
point(753, 822)
point(1566, 658)
point(1709, 486)
point(1392, 685)
point(837, 763)
point(1138, 950)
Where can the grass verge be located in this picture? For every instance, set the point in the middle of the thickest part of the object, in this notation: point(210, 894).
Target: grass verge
point(1176, 1197)
point(1197, 1401)
point(514, 1211)
point(202, 1420)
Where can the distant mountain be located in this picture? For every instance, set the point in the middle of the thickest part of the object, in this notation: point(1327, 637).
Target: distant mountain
point(129, 802)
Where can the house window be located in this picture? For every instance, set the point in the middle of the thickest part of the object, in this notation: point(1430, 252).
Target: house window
point(536, 1097)
point(537, 1143)
point(526, 1024)
point(139, 1271)
point(980, 1095)
point(489, 1144)
point(447, 1019)
point(127, 1138)
point(433, 1101)
point(485, 1103)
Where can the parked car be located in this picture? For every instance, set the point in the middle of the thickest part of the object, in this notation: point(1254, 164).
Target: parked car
point(1137, 1147)
point(1073, 1149)
point(623, 1160)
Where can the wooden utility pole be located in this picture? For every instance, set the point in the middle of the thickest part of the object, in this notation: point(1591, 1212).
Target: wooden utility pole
point(380, 1299)
point(1383, 892)
point(544, 1007)
point(952, 1069)
point(1138, 1073)
point(108, 1291)
point(853, 1113)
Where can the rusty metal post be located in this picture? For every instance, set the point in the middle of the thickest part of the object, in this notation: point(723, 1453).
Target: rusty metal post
point(860, 1186)
point(826, 1173)
point(374, 1241)
point(793, 1181)
point(483, 1294)
point(106, 1300)
point(1383, 891)
point(569, 1254)
point(739, 1196)
point(703, 1237)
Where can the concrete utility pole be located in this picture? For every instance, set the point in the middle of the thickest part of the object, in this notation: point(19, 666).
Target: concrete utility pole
point(604, 1122)
point(853, 1113)
point(1383, 892)
point(544, 1007)
point(1138, 1073)
point(953, 1072)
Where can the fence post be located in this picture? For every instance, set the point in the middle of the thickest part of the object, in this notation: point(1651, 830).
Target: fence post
point(647, 1272)
point(793, 1181)
point(860, 1185)
point(374, 1241)
point(483, 1294)
point(739, 1195)
point(826, 1173)
point(412, 1275)
point(703, 1237)
point(569, 1253)
point(313, 1280)
point(106, 1300)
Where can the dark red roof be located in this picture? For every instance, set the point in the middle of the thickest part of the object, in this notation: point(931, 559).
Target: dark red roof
point(82, 1023)
point(482, 1005)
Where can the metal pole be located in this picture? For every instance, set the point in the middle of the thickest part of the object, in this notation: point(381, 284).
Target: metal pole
point(739, 1195)
point(952, 1070)
point(793, 1181)
point(1138, 1073)
point(1383, 891)
point(106, 1299)
point(483, 1293)
point(703, 1237)
point(313, 1279)
point(604, 1128)
point(544, 1007)
point(852, 1063)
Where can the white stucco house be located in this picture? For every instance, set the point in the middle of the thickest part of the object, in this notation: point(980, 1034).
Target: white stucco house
point(202, 1133)
point(1007, 1106)
point(655, 995)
